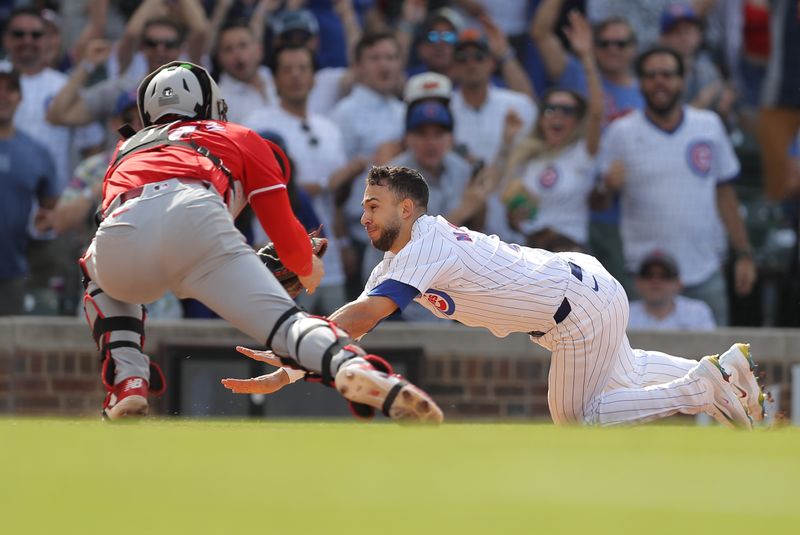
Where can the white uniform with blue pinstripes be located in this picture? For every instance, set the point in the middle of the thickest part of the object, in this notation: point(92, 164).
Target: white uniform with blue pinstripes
point(595, 376)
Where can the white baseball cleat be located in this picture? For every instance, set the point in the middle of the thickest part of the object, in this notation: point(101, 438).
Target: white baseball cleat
point(127, 400)
point(725, 406)
point(739, 364)
point(360, 382)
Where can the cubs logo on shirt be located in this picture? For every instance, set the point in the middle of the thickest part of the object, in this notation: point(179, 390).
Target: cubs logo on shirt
point(441, 301)
point(700, 157)
point(549, 177)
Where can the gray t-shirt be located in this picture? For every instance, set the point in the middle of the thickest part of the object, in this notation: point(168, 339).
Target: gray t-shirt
point(101, 98)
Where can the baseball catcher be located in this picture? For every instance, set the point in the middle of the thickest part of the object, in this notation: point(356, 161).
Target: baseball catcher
point(170, 196)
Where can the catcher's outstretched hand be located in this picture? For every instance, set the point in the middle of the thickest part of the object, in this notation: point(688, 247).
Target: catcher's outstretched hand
point(262, 356)
point(264, 384)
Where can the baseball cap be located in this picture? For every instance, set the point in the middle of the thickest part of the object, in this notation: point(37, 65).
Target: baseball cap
point(447, 14)
point(660, 259)
point(429, 112)
point(427, 85)
point(472, 37)
point(675, 13)
point(301, 19)
point(125, 102)
point(7, 72)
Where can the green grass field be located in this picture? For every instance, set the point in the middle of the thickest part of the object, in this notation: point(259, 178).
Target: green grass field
point(179, 476)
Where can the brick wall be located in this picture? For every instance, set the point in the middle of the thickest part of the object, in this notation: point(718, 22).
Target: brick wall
point(36, 382)
point(487, 387)
point(49, 366)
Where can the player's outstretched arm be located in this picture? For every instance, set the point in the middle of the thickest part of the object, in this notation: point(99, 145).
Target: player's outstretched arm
point(362, 315)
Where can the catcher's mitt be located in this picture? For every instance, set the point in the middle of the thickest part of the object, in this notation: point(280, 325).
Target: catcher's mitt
point(289, 280)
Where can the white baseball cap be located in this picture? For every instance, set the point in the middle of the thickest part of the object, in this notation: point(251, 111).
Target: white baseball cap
point(427, 85)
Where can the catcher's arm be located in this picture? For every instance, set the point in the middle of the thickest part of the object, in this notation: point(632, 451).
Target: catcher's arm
point(264, 384)
point(357, 318)
point(289, 238)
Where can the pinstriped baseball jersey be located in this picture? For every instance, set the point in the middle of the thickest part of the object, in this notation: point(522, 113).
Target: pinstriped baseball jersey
point(477, 279)
point(595, 376)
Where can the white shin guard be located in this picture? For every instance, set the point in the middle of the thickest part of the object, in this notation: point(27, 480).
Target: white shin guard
point(314, 344)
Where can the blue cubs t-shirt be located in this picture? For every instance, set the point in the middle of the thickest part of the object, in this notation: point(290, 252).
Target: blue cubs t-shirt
point(26, 173)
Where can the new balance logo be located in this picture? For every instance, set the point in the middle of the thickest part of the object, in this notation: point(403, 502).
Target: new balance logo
point(133, 383)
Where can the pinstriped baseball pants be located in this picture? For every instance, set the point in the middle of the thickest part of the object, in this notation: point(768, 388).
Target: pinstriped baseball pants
point(595, 376)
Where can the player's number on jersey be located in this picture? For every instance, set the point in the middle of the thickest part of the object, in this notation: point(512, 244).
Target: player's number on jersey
point(181, 132)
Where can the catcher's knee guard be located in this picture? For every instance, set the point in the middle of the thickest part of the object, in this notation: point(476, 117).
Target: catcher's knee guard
point(312, 343)
point(118, 331)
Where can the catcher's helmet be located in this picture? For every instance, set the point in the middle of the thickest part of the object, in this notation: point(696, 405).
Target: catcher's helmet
point(180, 88)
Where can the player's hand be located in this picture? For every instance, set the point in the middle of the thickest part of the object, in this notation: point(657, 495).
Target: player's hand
point(495, 37)
point(511, 126)
point(744, 272)
point(579, 33)
point(414, 11)
point(294, 5)
point(343, 8)
point(262, 356)
point(311, 281)
point(264, 384)
point(44, 220)
point(97, 51)
point(615, 176)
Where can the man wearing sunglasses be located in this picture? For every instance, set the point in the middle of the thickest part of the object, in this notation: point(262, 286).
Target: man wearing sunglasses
point(160, 36)
point(676, 194)
point(436, 39)
point(615, 50)
point(661, 306)
point(23, 41)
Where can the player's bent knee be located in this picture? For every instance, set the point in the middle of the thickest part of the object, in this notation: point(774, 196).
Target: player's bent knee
point(569, 416)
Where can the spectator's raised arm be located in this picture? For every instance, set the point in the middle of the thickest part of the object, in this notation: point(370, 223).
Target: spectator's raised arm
point(68, 107)
point(194, 17)
point(129, 41)
point(413, 13)
point(97, 13)
point(543, 33)
point(579, 33)
point(352, 28)
point(513, 73)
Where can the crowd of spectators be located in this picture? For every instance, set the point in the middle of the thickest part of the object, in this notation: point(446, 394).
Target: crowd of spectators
point(634, 131)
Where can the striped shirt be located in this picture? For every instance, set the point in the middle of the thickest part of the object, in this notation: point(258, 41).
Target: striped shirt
point(473, 278)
